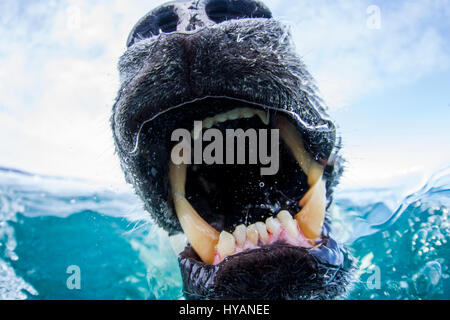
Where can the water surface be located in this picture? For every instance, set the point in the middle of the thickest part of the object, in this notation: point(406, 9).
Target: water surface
point(50, 225)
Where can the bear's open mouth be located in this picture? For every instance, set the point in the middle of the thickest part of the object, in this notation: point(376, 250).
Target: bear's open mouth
point(227, 209)
point(233, 216)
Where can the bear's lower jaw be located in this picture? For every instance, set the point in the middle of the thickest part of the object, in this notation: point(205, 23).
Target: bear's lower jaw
point(275, 272)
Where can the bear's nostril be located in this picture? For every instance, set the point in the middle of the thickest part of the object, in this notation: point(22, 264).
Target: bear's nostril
point(223, 10)
point(165, 18)
point(168, 23)
point(161, 20)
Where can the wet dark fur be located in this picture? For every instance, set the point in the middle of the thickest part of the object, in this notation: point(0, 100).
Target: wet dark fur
point(247, 59)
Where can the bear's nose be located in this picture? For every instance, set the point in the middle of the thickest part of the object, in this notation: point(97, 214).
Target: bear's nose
point(188, 16)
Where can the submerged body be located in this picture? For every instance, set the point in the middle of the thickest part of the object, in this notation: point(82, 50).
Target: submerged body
point(229, 64)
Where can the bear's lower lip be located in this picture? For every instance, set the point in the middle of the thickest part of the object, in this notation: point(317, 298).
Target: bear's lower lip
point(274, 272)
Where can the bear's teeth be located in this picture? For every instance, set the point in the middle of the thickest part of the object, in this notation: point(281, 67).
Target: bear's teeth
point(264, 116)
point(240, 233)
point(252, 234)
point(274, 226)
point(226, 245)
point(288, 223)
point(262, 230)
point(295, 143)
point(202, 236)
point(239, 113)
point(308, 222)
point(311, 218)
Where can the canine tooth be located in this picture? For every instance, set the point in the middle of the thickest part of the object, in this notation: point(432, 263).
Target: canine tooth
point(288, 223)
point(240, 233)
point(294, 141)
point(226, 245)
point(201, 235)
point(264, 116)
point(177, 176)
point(311, 217)
point(262, 230)
point(273, 225)
point(252, 234)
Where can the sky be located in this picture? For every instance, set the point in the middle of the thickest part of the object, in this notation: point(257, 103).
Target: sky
point(383, 68)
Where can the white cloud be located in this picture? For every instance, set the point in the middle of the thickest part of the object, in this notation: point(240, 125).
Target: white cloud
point(350, 60)
point(59, 82)
point(58, 78)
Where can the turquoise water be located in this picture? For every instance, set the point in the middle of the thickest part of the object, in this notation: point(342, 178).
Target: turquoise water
point(50, 225)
